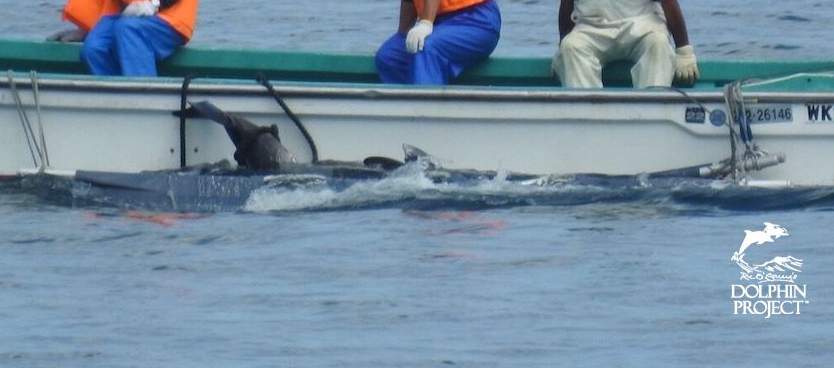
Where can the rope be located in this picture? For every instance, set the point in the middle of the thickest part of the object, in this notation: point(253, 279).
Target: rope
point(34, 76)
point(740, 130)
point(738, 124)
point(740, 114)
point(717, 170)
point(693, 99)
point(730, 99)
point(262, 79)
point(24, 121)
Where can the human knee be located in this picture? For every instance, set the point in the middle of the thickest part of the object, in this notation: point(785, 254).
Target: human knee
point(384, 58)
point(391, 49)
point(93, 49)
point(656, 45)
point(128, 25)
point(574, 56)
point(572, 45)
point(431, 47)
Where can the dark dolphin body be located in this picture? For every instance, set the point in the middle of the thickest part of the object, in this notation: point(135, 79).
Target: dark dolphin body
point(258, 148)
point(265, 163)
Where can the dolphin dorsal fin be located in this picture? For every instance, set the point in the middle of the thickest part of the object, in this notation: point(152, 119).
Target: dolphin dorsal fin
point(413, 153)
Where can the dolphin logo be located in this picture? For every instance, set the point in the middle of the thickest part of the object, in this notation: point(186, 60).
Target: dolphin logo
point(778, 265)
point(770, 232)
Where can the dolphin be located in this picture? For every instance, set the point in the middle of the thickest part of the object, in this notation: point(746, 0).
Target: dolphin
point(257, 147)
point(412, 154)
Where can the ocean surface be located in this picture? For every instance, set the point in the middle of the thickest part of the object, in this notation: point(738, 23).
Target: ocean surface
point(406, 272)
point(718, 29)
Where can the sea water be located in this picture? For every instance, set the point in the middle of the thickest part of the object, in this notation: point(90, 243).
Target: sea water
point(410, 273)
point(718, 29)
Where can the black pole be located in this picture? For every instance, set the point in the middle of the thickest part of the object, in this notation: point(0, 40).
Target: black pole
point(183, 101)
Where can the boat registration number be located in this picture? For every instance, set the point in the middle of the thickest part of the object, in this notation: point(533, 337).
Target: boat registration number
point(767, 113)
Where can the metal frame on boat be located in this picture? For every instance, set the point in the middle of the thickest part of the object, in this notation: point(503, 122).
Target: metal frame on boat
point(506, 114)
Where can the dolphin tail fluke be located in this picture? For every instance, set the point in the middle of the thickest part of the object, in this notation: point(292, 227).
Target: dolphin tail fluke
point(202, 109)
point(257, 147)
point(190, 112)
point(206, 109)
point(236, 126)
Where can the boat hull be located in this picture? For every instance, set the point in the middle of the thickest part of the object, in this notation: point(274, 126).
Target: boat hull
point(127, 125)
point(501, 114)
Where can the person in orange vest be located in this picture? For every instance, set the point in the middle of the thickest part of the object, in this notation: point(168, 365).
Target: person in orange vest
point(128, 37)
point(438, 39)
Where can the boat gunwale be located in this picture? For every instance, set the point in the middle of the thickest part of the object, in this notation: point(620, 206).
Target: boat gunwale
point(321, 67)
point(382, 91)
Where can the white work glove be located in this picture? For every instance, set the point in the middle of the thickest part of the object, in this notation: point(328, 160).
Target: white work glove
point(145, 8)
point(416, 37)
point(686, 66)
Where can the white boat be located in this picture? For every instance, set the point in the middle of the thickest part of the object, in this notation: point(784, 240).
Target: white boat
point(506, 114)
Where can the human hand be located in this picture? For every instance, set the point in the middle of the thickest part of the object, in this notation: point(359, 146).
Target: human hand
point(144, 8)
point(686, 65)
point(68, 35)
point(416, 37)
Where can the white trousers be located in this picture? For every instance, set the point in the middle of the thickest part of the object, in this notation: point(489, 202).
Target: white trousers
point(588, 48)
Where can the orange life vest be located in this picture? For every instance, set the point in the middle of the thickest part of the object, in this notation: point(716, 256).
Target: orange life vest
point(446, 6)
point(182, 16)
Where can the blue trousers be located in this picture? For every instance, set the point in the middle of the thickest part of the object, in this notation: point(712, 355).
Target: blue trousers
point(129, 46)
point(458, 40)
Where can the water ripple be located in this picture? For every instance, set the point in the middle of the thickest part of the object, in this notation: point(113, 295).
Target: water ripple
point(793, 18)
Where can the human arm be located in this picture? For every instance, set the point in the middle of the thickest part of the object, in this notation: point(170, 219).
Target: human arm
point(566, 24)
point(408, 13)
point(429, 10)
point(416, 37)
point(675, 22)
point(686, 65)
